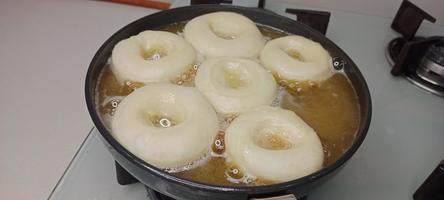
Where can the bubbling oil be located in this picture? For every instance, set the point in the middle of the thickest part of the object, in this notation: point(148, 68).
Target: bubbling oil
point(331, 108)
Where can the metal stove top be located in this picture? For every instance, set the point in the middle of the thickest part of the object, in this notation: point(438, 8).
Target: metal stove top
point(404, 144)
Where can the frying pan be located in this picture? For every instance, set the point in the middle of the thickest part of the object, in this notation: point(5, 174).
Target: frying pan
point(183, 189)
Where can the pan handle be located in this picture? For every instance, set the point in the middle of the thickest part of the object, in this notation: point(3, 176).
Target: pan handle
point(283, 197)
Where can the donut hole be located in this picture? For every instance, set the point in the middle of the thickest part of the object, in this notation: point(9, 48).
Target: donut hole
point(165, 116)
point(273, 141)
point(154, 52)
point(234, 75)
point(225, 30)
point(271, 138)
point(295, 54)
point(161, 121)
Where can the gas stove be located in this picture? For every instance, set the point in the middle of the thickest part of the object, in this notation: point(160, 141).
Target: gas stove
point(419, 59)
point(404, 145)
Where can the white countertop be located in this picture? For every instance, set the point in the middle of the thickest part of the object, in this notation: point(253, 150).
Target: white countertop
point(45, 50)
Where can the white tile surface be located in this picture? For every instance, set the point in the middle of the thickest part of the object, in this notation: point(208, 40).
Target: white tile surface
point(91, 176)
point(45, 49)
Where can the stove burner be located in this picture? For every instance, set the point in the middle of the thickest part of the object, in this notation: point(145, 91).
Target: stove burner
point(431, 67)
point(394, 48)
point(421, 83)
point(408, 59)
point(416, 58)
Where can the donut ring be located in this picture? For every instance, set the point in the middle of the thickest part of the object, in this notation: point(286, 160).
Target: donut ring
point(166, 125)
point(224, 34)
point(152, 56)
point(296, 58)
point(234, 85)
point(273, 144)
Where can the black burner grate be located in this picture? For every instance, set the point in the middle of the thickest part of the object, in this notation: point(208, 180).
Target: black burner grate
point(317, 20)
point(153, 195)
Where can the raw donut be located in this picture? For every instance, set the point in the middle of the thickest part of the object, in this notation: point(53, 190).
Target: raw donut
point(166, 125)
point(152, 56)
point(234, 85)
point(273, 144)
point(224, 34)
point(296, 58)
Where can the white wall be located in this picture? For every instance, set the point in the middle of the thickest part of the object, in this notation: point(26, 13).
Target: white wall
point(386, 8)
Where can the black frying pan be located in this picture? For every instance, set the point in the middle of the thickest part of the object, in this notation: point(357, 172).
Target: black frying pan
point(180, 188)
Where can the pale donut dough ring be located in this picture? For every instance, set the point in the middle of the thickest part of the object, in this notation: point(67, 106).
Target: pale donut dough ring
point(315, 67)
point(187, 141)
point(258, 88)
point(304, 157)
point(201, 33)
point(128, 64)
